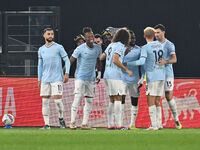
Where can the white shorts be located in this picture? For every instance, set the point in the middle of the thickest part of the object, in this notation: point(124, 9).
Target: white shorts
point(114, 87)
point(132, 89)
point(155, 88)
point(169, 84)
point(51, 88)
point(87, 88)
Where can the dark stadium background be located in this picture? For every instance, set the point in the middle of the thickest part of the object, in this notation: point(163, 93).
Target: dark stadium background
point(181, 18)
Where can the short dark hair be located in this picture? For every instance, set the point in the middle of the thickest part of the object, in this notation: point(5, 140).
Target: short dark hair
point(122, 35)
point(160, 26)
point(98, 36)
point(47, 29)
point(86, 30)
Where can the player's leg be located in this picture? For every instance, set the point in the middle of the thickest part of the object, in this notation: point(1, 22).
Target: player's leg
point(158, 113)
point(124, 88)
point(45, 92)
point(169, 85)
point(78, 94)
point(154, 92)
point(110, 110)
point(134, 94)
point(89, 95)
point(117, 110)
point(111, 114)
point(122, 108)
point(152, 111)
point(57, 91)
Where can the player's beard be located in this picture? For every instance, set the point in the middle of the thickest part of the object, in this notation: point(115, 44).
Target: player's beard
point(49, 40)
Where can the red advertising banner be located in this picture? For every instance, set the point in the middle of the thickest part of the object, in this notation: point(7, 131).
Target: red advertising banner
point(20, 97)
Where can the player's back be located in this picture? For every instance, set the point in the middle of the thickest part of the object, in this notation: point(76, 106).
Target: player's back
point(153, 52)
point(169, 49)
point(133, 55)
point(86, 61)
point(112, 71)
point(52, 62)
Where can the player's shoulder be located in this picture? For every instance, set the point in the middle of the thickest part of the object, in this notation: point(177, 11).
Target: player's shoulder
point(96, 46)
point(168, 42)
point(58, 45)
point(41, 47)
point(81, 46)
point(136, 47)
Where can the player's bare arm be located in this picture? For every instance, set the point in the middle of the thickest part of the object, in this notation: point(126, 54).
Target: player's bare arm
point(72, 60)
point(98, 66)
point(120, 65)
point(170, 61)
point(103, 56)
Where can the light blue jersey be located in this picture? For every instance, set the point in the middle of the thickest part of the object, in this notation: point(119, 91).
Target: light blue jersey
point(86, 61)
point(50, 63)
point(153, 52)
point(133, 55)
point(169, 49)
point(112, 71)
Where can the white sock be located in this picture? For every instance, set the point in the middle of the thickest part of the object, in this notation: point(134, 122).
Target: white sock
point(122, 113)
point(159, 116)
point(152, 113)
point(134, 111)
point(111, 115)
point(45, 110)
point(173, 108)
point(60, 107)
point(75, 105)
point(87, 110)
point(117, 110)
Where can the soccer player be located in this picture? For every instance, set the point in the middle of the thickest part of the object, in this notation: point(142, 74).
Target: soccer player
point(114, 55)
point(98, 39)
point(151, 53)
point(50, 75)
point(79, 39)
point(87, 56)
point(168, 59)
point(130, 84)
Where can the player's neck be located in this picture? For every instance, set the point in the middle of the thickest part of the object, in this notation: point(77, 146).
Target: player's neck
point(90, 45)
point(149, 40)
point(48, 44)
point(162, 40)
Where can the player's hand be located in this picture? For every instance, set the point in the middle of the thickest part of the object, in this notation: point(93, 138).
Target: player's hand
point(161, 62)
point(66, 78)
point(130, 73)
point(140, 83)
point(98, 78)
point(39, 84)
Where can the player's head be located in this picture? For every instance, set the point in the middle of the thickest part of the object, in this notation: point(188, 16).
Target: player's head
point(133, 38)
point(48, 34)
point(149, 33)
point(88, 34)
point(122, 35)
point(107, 36)
point(98, 39)
point(159, 32)
point(79, 39)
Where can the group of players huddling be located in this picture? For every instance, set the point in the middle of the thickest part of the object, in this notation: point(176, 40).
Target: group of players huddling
point(121, 59)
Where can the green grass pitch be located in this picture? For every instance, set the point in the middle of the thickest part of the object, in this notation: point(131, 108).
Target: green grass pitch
point(100, 139)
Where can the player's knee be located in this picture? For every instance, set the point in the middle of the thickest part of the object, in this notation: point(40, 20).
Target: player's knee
point(57, 96)
point(46, 96)
point(134, 101)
